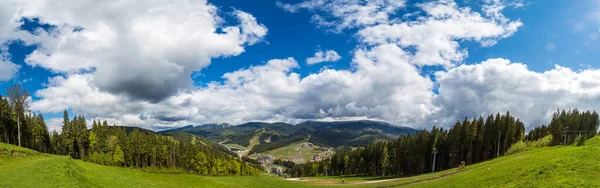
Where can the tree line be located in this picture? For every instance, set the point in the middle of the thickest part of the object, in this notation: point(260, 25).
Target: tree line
point(113, 145)
point(566, 126)
point(20, 127)
point(471, 141)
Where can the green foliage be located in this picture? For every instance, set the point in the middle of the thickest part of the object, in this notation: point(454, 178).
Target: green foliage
point(529, 145)
point(571, 123)
point(277, 144)
point(20, 128)
point(471, 141)
point(118, 158)
point(580, 140)
point(100, 158)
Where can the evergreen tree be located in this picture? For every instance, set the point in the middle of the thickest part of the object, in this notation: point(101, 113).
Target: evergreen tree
point(384, 160)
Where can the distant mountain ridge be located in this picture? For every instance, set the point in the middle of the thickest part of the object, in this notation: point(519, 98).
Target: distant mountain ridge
point(261, 136)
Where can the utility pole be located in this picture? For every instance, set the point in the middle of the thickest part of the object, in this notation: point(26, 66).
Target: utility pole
point(498, 152)
point(433, 165)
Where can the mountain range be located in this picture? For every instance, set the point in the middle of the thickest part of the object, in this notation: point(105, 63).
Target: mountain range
point(260, 136)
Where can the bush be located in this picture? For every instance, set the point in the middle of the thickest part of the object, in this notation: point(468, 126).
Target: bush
point(529, 145)
point(100, 158)
point(517, 148)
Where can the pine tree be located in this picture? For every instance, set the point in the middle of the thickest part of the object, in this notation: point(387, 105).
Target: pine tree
point(118, 156)
point(384, 159)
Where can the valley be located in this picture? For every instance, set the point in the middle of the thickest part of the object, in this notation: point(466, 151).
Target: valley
point(301, 143)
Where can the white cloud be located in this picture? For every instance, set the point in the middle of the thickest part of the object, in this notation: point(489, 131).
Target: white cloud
point(344, 14)
point(435, 37)
point(497, 85)
point(271, 92)
point(54, 124)
point(327, 56)
point(145, 49)
point(8, 70)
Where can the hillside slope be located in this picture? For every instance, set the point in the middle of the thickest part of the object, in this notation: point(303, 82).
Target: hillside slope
point(42, 170)
point(558, 166)
point(545, 167)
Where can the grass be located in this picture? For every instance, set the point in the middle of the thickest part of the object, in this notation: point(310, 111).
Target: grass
point(43, 170)
point(255, 140)
point(544, 167)
point(10, 153)
point(557, 166)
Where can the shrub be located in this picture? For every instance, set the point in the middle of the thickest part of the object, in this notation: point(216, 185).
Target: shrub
point(529, 145)
point(100, 158)
point(517, 148)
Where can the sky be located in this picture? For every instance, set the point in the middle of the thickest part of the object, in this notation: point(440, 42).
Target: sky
point(160, 64)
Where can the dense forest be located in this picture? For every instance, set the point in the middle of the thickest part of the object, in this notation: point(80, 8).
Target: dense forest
point(471, 141)
point(113, 145)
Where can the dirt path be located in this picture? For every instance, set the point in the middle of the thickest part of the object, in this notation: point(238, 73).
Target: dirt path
point(295, 179)
point(378, 181)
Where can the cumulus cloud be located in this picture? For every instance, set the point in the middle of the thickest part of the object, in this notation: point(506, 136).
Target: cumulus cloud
point(144, 49)
point(434, 36)
point(497, 85)
point(320, 57)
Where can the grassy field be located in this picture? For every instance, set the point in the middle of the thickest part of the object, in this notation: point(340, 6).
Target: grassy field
point(42, 170)
point(545, 167)
point(558, 166)
point(291, 153)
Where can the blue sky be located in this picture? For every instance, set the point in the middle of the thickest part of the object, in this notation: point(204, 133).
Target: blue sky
point(555, 32)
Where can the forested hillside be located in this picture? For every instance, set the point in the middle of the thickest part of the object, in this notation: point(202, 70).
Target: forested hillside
point(108, 145)
point(471, 141)
point(114, 145)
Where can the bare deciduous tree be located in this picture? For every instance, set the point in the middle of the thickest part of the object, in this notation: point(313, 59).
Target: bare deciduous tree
point(18, 99)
